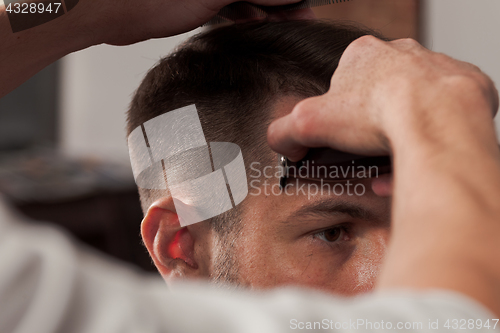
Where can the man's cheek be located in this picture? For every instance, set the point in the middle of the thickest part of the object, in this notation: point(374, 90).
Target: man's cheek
point(368, 261)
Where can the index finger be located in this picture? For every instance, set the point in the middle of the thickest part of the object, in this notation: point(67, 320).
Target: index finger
point(304, 128)
point(281, 138)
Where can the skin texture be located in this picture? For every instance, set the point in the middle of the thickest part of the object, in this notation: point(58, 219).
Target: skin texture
point(434, 114)
point(281, 241)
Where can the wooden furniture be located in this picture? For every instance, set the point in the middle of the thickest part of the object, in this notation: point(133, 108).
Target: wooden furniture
point(393, 18)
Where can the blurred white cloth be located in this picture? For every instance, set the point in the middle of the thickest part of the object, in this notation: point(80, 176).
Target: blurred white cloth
point(49, 284)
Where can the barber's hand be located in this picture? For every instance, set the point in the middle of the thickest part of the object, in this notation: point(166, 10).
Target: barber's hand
point(435, 115)
point(120, 22)
point(379, 88)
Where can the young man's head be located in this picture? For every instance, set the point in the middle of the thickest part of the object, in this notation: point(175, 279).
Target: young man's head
point(240, 78)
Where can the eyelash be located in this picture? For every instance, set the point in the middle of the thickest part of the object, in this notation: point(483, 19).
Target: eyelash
point(321, 235)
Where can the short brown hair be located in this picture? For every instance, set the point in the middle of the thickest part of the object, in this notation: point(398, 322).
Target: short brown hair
point(234, 73)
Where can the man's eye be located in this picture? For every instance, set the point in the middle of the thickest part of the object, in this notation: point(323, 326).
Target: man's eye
point(331, 235)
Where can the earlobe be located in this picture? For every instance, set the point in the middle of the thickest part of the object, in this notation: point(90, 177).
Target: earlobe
point(171, 246)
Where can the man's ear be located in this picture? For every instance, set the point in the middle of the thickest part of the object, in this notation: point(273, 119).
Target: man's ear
point(171, 246)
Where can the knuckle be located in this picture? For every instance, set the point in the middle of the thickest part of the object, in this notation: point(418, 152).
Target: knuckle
point(442, 58)
point(473, 86)
point(407, 44)
point(304, 120)
point(408, 41)
point(366, 41)
point(463, 82)
point(479, 80)
point(365, 46)
point(482, 80)
point(473, 67)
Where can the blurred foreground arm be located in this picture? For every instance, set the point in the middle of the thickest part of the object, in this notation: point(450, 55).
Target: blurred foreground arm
point(435, 115)
point(92, 22)
point(50, 284)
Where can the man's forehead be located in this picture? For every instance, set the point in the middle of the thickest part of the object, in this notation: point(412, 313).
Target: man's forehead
point(295, 208)
point(283, 105)
point(327, 207)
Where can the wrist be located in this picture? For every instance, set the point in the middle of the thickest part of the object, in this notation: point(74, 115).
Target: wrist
point(443, 117)
point(95, 21)
point(443, 148)
point(82, 25)
point(31, 50)
point(59, 37)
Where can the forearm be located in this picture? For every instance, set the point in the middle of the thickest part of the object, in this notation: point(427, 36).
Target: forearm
point(92, 22)
point(24, 53)
point(446, 211)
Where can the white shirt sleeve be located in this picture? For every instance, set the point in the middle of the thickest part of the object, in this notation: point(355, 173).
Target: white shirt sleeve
point(48, 284)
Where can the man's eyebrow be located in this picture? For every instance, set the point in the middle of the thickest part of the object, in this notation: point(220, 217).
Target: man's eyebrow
point(328, 208)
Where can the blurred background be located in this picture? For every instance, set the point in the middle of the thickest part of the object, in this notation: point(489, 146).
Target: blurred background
point(63, 152)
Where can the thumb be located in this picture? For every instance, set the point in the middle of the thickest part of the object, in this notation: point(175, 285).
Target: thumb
point(306, 126)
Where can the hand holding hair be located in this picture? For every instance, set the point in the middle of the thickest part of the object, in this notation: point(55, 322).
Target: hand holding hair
point(434, 114)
